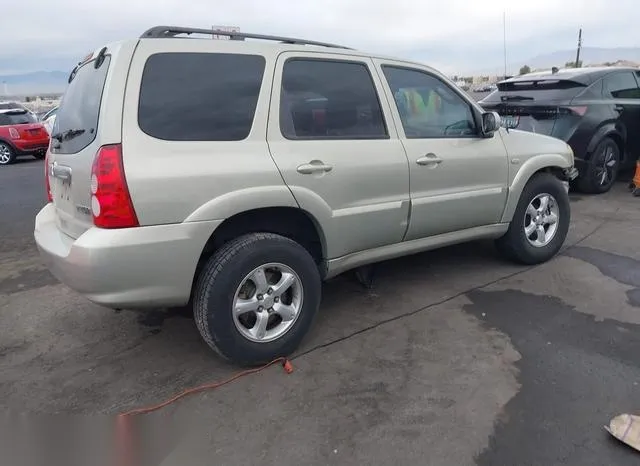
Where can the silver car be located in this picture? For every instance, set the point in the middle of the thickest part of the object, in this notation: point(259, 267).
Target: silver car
point(236, 175)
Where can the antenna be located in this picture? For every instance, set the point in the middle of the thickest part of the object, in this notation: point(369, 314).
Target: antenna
point(504, 39)
point(577, 63)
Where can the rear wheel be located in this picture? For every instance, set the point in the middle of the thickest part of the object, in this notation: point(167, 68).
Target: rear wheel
point(602, 169)
point(540, 223)
point(7, 156)
point(256, 297)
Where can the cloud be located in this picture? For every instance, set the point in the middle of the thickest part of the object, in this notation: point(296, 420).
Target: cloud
point(451, 35)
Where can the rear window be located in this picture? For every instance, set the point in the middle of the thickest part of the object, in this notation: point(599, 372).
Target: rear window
point(10, 105)
point(76, 122)
point(535, 90)
point(200, 96)
point(16, 118)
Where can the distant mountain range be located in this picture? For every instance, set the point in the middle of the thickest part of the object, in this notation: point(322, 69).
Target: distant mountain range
point(38, 82)
point(49, 82)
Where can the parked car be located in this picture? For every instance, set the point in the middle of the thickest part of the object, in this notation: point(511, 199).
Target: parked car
point(595, 110)
point(237, 175)
point(12, 105)
point(49, 118)
point(20, 135)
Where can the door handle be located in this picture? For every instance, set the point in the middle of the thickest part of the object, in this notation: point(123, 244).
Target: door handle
point(315, 166)
point(429, 159)
point(61, 172)
point(619, 108)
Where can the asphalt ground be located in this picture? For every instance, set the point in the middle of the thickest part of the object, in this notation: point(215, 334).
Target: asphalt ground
point(455, 357)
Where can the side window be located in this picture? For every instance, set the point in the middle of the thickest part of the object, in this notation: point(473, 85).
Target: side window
point(199, 96)
point(428, 107)
point(621, 86)
point(327, 99)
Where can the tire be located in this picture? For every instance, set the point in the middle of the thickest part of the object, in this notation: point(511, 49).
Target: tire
point(7, 155)
point(220, 282)
point(604, 160)
point(40, 156)
point(515, 244)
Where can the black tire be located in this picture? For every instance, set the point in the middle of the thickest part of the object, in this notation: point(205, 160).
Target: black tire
point(590, 182)
point(514, 244)
point(40, 155)
point(12, 155)
point(222, 275)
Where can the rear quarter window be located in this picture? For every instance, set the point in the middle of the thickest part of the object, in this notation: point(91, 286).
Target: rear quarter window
point(16, 118)
point(76, 122)
point(621, 85)
point(199, 96)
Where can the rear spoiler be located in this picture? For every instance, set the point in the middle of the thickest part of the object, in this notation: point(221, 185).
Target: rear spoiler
point(538, 85)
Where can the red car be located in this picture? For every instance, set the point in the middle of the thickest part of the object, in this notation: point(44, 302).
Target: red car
point(21, 134)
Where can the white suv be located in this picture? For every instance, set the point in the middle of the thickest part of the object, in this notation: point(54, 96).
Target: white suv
point(238, 174)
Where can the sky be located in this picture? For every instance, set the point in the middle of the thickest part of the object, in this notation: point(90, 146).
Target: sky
point(455, 36)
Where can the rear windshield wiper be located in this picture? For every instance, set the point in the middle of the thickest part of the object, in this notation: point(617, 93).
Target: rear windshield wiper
point(67, 135)
point(511, 98)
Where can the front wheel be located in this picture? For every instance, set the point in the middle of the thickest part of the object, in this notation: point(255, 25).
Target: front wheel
point(540, 223)
point(256, 298)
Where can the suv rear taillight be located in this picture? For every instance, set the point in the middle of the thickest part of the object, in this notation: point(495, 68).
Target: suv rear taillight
point(111, 204)
point(14, 133)
point(47, 183)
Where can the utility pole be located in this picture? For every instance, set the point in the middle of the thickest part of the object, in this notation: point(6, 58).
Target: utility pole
point(577, 63)
point(504, 39)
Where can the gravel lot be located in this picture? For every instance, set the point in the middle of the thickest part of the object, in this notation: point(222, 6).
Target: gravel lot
point(454, 358)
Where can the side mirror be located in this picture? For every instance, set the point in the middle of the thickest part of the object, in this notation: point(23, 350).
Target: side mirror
point(490, 123)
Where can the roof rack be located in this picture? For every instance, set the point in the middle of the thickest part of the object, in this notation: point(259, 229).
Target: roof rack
point(163, 32)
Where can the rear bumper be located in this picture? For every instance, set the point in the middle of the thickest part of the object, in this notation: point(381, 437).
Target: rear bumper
point(31, 147)
point(130, 268)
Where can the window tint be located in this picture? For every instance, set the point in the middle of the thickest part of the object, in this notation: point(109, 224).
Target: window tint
point(19, 117)
point(9, 105)
point(428, 107)
point(621, 86)
point(200, 96)
point(78, 114)
point(329, 99)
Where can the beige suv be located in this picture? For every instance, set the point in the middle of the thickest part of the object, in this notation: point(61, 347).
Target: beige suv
point(238, 174)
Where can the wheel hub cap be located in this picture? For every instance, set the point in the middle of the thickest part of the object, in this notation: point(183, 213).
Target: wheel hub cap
point(267, 302)
point(541, 220)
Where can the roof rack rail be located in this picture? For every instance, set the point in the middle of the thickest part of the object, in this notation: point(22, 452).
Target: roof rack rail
point(160, 32)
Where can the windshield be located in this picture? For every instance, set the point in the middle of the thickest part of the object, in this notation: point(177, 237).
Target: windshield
point(18, 117)
point(76, 121)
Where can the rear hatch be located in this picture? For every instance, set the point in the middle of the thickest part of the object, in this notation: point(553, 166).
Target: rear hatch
point(537, 104)
point(75, 141)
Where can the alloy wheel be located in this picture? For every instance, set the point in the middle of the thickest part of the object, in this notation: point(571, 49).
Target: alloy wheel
point(267, 302)
point(5, 154)
point(541, 220)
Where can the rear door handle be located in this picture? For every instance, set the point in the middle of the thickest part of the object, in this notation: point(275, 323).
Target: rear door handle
point(315, 166)
point(61, 172)
point(429, 159)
